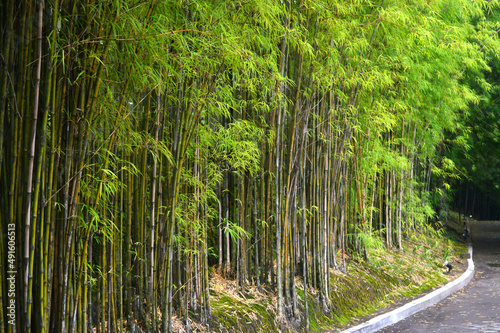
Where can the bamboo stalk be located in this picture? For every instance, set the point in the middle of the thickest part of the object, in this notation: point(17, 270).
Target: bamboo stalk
point(153, 213)
point(30, 226)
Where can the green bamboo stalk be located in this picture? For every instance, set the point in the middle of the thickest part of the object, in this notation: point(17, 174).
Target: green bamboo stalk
point(278, 184)
point(142, 267)
point(305, 257)
point(119, 243)
point(45, 225)
point(7, 58)
point(67, 229)
point(13, 197)
point(128, 241)
point(30, 226)
point(50, 203)
point(152, 272)
point(242, 263)
point(40, 248)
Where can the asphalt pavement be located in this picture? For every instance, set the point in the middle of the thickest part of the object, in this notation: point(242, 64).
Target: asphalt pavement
point(476, 307)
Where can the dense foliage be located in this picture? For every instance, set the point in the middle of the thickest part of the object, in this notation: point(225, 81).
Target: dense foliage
point(474, 149)
point(144, 144)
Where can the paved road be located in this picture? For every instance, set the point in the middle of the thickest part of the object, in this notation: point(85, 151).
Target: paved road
point(476, 308)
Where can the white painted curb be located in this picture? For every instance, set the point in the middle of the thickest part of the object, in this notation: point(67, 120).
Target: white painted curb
point(417, 305)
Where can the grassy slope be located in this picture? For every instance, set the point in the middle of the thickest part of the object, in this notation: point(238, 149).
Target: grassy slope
point(388, 277)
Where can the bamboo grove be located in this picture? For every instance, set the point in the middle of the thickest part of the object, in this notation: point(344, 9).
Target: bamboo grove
point(146, 144)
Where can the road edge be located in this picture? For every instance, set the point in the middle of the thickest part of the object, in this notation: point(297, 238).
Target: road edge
point(417, 305)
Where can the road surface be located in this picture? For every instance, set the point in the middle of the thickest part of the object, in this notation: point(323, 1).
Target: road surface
point(476, 308)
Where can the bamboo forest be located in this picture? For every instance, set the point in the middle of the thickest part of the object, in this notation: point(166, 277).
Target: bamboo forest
point(150, 148)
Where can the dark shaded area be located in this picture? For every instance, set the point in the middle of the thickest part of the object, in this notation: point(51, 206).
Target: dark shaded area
point(482, 203)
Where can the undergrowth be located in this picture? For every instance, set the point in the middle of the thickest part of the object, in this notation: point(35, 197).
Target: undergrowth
point(383, 278)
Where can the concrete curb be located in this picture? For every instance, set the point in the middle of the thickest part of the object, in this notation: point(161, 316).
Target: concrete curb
point(417, 305)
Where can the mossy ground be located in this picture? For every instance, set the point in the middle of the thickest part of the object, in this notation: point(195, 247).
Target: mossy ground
point(368, 287)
